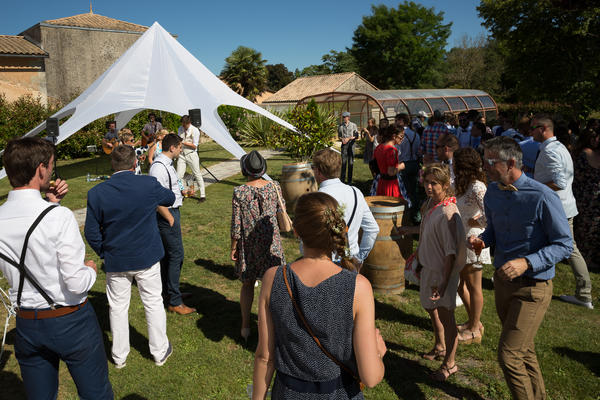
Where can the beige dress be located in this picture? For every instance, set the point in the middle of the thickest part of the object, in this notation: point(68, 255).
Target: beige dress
point(470, 204)
point(442, 234)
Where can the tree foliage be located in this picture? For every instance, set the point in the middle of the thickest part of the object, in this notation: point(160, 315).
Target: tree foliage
point(334, 62)
point(400, 48)
point(245, 72)
point(278, 76)
point(551, 49)
point(474, 64)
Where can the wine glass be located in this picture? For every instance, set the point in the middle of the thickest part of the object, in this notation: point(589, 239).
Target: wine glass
point(477, 248)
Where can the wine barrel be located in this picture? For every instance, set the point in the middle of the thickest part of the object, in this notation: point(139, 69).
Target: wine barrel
point(296, 179)
point(384, 267)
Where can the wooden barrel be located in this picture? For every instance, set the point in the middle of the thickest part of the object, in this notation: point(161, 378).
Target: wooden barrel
point(384, 267)
point(296, 179)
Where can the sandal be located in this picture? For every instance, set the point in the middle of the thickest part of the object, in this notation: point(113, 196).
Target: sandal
point(468, 337)
point(445, 372)
point(435, 354)
point(462, 327)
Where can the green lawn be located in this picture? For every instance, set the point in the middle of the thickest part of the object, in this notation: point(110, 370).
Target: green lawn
point(211, 362)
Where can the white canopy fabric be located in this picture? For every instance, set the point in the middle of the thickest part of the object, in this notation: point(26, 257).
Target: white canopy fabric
point(158, 73)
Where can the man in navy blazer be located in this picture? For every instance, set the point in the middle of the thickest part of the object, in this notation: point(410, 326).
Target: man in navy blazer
point(121, 227)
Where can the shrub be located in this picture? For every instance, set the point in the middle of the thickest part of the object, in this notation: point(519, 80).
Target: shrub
point(233, 118)
point(258, 130)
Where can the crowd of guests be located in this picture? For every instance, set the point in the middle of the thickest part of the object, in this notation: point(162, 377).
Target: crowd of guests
point(469, 194)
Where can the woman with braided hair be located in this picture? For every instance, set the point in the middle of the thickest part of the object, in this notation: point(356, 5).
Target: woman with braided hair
point(316, 319)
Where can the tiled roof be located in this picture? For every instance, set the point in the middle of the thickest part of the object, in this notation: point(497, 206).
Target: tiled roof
point(97, 21)
point(309, 85)
point(18, 45)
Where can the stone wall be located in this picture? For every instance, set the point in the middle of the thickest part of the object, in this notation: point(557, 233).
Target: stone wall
point(21, 76)
point(78, 56)
point(355, 84)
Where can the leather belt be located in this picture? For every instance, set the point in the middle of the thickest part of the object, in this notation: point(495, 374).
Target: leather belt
point(527, 281)
point(43, 314)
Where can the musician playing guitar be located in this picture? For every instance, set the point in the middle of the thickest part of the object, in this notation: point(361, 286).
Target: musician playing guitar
point(110, 138)
point(150, 129)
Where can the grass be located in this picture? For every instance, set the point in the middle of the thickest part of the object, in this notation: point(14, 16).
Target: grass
point(211, 362)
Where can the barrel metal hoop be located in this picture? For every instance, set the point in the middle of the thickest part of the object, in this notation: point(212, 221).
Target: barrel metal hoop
point(389, 216)
point(392, 237)
point(386, 210)
point(299, 180)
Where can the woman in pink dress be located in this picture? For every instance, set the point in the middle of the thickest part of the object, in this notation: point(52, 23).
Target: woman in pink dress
point(386, 155)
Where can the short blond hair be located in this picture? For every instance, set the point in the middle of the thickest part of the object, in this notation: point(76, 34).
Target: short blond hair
point(125, 135)
point(328, 162)
point(441, 174)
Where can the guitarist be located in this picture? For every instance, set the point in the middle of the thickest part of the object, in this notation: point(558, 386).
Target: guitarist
point(150, 129)
point(110, 138)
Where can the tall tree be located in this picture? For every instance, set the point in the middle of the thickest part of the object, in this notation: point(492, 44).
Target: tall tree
point(334, 62)
point(474, 64)
point(400, 48)
point(245, 72)
point(278, 76)
point(551, 48)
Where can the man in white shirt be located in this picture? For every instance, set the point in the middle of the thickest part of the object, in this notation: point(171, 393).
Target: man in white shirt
point(554, 168)
point(55, 321)
point(189, 154)
point(170, 233)
point(326, 167)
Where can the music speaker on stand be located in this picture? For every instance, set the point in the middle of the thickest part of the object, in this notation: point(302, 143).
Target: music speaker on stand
point(195, 117)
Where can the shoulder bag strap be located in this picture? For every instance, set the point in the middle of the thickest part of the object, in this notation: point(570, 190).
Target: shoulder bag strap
point(354, 209)
point(310, 332)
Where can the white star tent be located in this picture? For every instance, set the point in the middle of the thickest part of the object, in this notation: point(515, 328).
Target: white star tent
point(158, 73)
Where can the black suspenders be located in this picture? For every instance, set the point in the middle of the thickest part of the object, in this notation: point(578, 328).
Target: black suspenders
point(23, 272)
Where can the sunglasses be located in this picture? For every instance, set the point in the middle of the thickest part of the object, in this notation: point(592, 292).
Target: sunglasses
point(492, 161)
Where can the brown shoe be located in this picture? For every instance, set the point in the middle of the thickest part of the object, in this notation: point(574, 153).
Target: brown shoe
point(181, 309)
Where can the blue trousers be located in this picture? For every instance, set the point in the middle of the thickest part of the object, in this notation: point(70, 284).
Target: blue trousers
point(76, 339)
point(170, 265)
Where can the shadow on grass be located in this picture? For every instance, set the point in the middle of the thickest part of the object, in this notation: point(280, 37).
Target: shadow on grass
point(12, 386)
point(136, 339)
point(388, 312)
point(226, 322)
point(589, 359)
point(225, 270)
point(403, 375)
point(487, 284)
point(134, 396)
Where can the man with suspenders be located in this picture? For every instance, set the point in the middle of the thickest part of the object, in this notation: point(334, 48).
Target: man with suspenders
point(409, 155)
point(170, 231)
point(42, 257)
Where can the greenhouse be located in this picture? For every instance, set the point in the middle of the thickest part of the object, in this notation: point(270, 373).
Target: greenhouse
point(380, 104)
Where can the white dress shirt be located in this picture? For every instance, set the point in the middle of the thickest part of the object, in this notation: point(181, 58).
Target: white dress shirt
point(554, 164)
point(55, 253)
point(363, 218)
point(162, 176)
point(192, 134)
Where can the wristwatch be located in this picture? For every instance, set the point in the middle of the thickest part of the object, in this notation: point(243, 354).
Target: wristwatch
point(529, 266)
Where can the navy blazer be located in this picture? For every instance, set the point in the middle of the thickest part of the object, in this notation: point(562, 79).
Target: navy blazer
point(121, 224)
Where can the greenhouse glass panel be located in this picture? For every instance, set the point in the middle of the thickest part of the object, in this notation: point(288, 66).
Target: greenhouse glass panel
point(416, 105)
point(472, 103)
point(487, 101)
point(456, 103)
point(438, 104)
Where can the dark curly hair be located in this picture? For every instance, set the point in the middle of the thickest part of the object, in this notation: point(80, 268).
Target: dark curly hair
point(467, 169)
point(321, 226)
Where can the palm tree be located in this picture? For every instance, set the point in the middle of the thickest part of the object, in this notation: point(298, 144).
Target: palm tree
point(245, 71)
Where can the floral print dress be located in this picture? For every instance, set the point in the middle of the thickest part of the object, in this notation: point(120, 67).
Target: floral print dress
point(254, 226)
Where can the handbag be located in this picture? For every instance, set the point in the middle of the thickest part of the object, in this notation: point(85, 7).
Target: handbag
point(310, 332)
point(283, 219)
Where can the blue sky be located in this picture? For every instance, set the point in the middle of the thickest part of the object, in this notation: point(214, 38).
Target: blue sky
point(295, 33)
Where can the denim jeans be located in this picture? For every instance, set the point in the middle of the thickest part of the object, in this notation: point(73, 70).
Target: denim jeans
point(76, 339)
point(170, 265)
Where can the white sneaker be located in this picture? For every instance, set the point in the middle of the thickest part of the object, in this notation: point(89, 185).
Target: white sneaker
point(164, 359)
point(576, 301)
point(120, 366)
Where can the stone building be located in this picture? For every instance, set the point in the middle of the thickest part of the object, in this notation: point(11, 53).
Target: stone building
point(67, 54)
point(22, 70)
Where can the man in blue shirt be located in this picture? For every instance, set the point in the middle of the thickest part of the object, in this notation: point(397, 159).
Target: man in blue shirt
point(527, 224)
point(554, 168)
point(120, 226)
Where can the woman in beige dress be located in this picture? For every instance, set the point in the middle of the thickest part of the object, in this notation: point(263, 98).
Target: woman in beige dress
point(441, 252)
point(469, 183)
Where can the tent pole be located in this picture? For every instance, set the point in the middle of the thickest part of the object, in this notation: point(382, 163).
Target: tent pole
point(211, 174)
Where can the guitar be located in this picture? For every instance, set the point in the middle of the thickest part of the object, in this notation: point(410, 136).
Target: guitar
point(108, 149)
point(150, 140)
